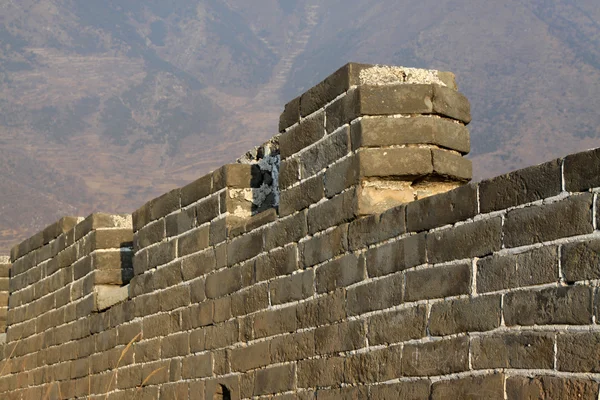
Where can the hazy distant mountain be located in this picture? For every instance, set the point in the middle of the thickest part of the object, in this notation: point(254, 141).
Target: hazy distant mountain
point(105, 104)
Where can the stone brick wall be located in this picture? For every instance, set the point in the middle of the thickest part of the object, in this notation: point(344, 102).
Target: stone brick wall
point(348, 258)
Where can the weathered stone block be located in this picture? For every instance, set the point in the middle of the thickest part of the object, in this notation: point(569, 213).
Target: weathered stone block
point(325, 246)
point(438, 282)
point(397, 326)
point(165, 204)
point(340, 272)
point(342, 208)
point(550, 387)
point(310, 130)
point(290, 114)
point(273, 322)
point(342, 175)
point(396, 99)
point(244, 247)
point(324, 153)
point(324, 310)
point(200, 188)
point(300, 197)
point(207, 210)
point(578, 352)
point(465, 315)
point(570, 305)
point(569, 217)
point(344, 336)
point(534, 267)
point(279, 262)
point(286, 230)
point(331, 87)
point(193, 241)
point(440, 357)
point(292, 288)
point(250, 357)
point(383, 131)
point(582, 171)
point(490, 387)
point(474, 239)
point(297, 346)
point(320, 372)
point(237, 176)
point(289, 172)
point(581, 261)
point(376, 295)
point(402, 390)
point(223, 282)
point(526, 350)
point(275, 379)
point(451, 103)
point(395, 162)
point(149, 234)
point(376, 228)
point(541, 181)
point(451, 165)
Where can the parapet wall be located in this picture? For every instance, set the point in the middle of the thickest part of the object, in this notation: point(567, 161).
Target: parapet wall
point(348, 258)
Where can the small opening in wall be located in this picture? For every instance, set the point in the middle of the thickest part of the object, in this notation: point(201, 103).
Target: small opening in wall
point(222, 393)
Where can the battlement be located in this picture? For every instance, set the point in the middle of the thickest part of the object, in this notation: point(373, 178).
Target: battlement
point(348, 257)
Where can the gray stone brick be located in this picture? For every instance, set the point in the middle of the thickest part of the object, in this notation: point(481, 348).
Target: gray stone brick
point(582, 171)
point(290, 114)
point(550, 387)
point(578, 352)
point(292, 288)
point(286, 230)
point(541, 181)
point(581, 261)
point(451, 165)
point(450, 103)
point(244, 247)
point(440, 357)
point(376, 295)
point(524, 350)
point(383, 131)
point(534, 267)
point(465, 315)
point(325, 152)
point(395, 162)
point(325, 246)
point(289, 172)
point(396, 99)
point(340, 272)
point(342, 208)
point(193, 241)
point(342, 175)
point(397, 326)
point(569, 217)
point(442, 209)
point(396, 256)
point(438, 282)
point(279, 262)
point(307, 132)
point(491, 387)
point(376, 228)
point(331, 87)
point(200, 188)
point(570, 305)
point(474, 239)
point(165, 204)
point(301, 196)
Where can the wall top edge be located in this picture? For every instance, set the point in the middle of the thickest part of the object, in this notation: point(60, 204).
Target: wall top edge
point(78, 225)
point(354, 74)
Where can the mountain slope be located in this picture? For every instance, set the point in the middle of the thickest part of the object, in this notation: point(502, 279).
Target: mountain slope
point(104, 105)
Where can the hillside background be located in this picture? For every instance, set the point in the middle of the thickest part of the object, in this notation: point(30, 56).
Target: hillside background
point(106, 104)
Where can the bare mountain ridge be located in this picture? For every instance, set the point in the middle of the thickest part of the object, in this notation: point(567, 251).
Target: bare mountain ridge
point(108, 104)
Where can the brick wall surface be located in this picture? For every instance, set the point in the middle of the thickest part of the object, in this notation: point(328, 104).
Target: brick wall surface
point(373, 270)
